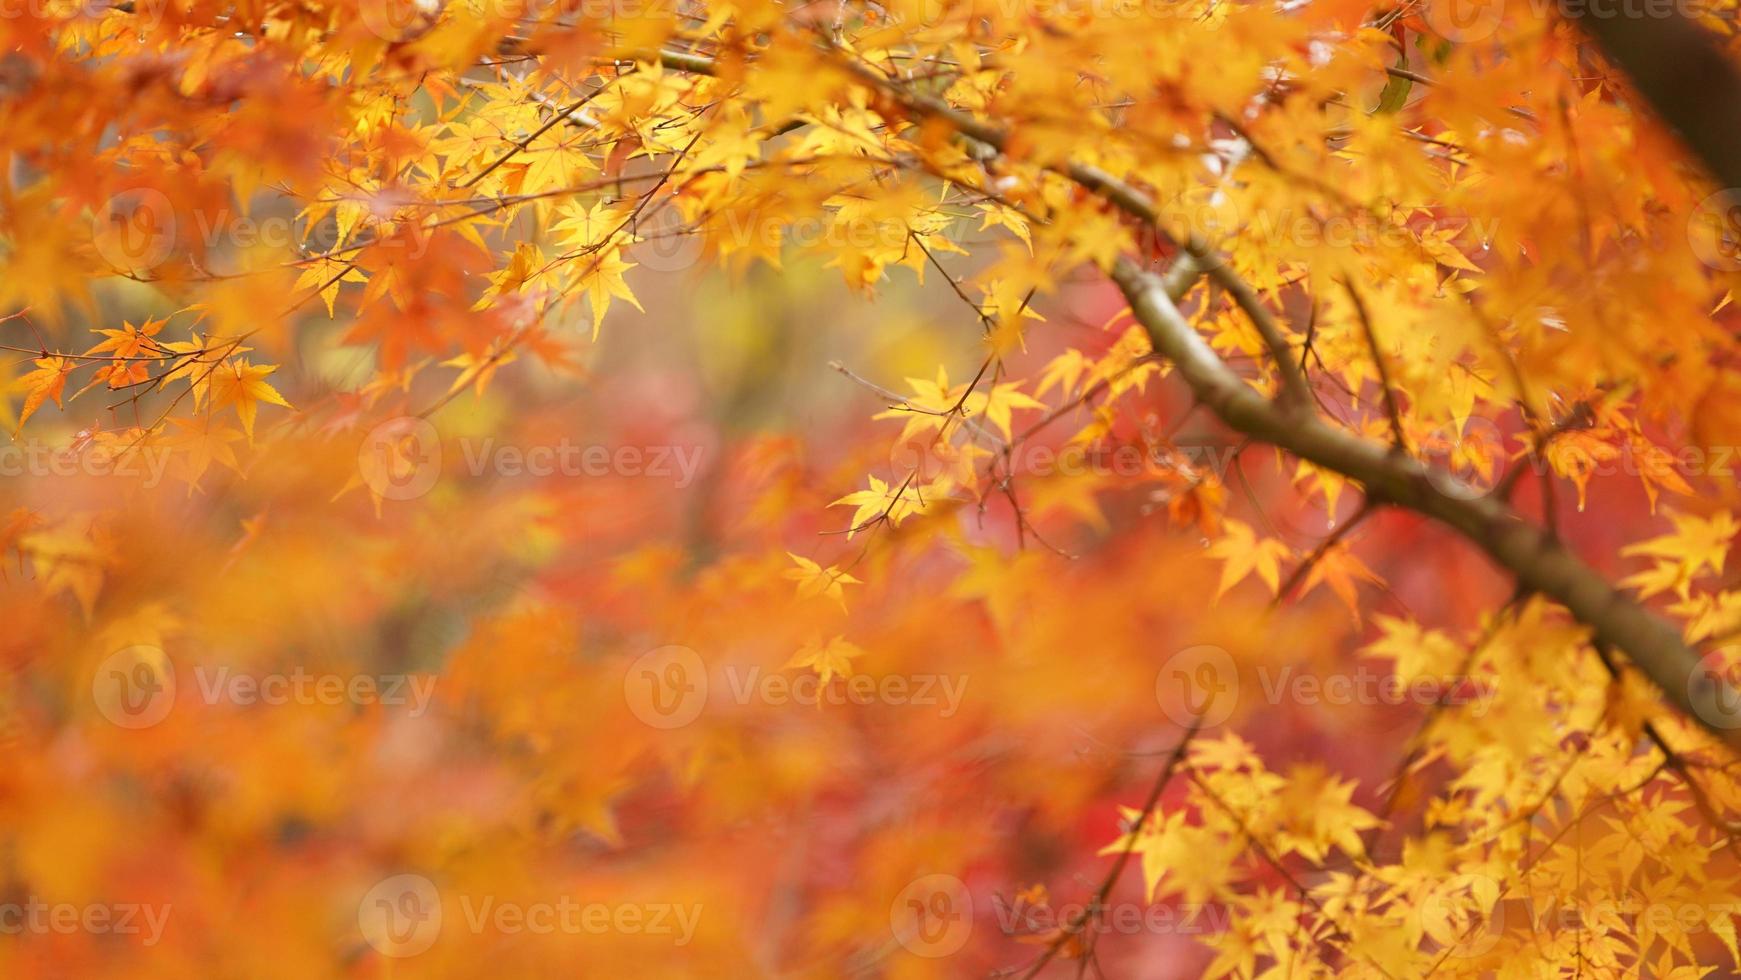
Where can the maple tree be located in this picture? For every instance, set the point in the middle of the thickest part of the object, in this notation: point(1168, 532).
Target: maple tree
point(915, 488)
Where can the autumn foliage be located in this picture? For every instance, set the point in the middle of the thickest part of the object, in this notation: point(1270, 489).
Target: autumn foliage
point(1059, 488)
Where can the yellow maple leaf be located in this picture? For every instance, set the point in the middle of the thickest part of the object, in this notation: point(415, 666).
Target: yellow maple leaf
point(1696, 545)
point(827, 659)
point(47, 381)
point(881, 501)
point(814, 580)
point(243, 385)
point(997, 405)
point(1240, 548)
point(602, 280)
point(1342, 571)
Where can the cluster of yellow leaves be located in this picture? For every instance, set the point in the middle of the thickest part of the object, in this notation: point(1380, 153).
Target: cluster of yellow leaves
point(470, 187)
point(1697, 547)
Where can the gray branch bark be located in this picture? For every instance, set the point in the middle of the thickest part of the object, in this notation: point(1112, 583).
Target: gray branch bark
point(1538, 561)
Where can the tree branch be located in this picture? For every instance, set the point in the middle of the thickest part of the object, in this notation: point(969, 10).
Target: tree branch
point(1538, 561)
point(1133, 202)
point(1533, 556)
point(1097, 905)
point(1680, 70)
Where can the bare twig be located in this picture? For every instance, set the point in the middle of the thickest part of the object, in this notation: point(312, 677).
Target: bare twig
point(1098, 902)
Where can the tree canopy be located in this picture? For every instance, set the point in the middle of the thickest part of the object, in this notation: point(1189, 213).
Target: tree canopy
point(1230, 488)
